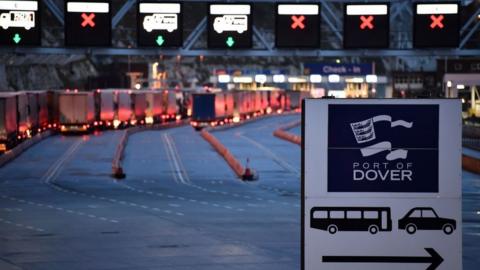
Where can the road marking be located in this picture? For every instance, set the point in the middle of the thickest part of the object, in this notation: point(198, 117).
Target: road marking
point(272, 155)
point(178, 197)
point(102, 198)
point(174, 156)
point(52, 207)
point(55, 169)
point(28, 227)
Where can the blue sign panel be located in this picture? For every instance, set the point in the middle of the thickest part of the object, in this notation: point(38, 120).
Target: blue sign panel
point(340, 69)
point(383, 148)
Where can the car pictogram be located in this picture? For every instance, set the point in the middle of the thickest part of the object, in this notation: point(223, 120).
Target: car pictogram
point(425, 218)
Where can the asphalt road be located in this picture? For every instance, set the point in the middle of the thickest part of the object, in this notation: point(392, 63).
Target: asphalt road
point(180, 206)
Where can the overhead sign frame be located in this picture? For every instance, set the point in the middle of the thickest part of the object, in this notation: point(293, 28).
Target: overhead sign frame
point(233, 30)
point(84, 27)
point(164, 28)
point(20, 23)
point(399, 239)
point(300, 23)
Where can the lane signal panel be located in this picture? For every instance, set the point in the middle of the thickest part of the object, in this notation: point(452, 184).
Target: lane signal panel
point(436, 25)
point(20, 23)
point(366, 26)
point(159, 24)
point(230, 26)
point(87, 23)
point(297, 26)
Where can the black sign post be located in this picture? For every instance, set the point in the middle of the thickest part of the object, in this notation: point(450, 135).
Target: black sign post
point(159, 24)
point(436, 25)
point(230, 26)
point(297, 26)
point(19, 23)
point(87, 23)
point(366, 26)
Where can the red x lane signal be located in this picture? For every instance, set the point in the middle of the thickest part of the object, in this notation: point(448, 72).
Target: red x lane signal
point(88, 20)
point(297, 21)
point(436, 21)
point(366, 22)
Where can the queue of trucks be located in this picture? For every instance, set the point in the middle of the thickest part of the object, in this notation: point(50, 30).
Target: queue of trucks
point(212, 109)
point(26, 113)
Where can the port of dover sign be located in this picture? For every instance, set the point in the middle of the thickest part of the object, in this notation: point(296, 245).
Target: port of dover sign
point(381, 184)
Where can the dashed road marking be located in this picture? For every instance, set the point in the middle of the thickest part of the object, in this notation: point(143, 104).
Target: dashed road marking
point(20, 225)
point(49, 206)
point(103, 198)
point(179, 198)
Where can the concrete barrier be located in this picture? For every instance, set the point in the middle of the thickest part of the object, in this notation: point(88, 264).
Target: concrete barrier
point(284, 135)
point(223, 151)
point(287, 136)
point(117, 169)
point(15, 152)
point(471, 164)
point(251, 120)
point(471, 131)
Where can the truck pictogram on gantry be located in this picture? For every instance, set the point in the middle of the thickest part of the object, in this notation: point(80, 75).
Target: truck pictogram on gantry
point(19, 19)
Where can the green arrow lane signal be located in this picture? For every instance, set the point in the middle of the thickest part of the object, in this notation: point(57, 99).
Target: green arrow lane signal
point(160, 40)
point(230, 41)
point(17, 38)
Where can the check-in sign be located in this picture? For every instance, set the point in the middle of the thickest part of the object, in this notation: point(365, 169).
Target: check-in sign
point(381, 184)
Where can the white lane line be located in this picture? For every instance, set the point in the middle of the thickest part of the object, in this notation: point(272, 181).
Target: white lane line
point(177, 197)
point(12, 209)
point(55, 169)
point(278, 190)
point(52, 207)
point(243, 196)
point(272, 155)
point(179, 168)
point(102, 198)
point(20, 225)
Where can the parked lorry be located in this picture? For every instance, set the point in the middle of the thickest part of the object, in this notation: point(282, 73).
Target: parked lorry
point(8, 121)
point(140, 107)
point(77, 112)
point(154, 107)
point(124, 108)
point(106, 108)
point(203, 110)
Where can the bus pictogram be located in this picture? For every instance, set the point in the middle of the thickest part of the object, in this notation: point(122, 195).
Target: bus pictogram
point(334, 219)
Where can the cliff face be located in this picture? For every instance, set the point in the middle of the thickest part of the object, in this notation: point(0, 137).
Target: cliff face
point(43, 76)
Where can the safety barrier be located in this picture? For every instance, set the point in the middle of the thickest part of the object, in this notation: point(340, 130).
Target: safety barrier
point(117, 169)
point(251, 120)
point(471, 131)
point(15, 152)
point(240, 171)
point(283, 134)
point(223, 151)
point(471, 164)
